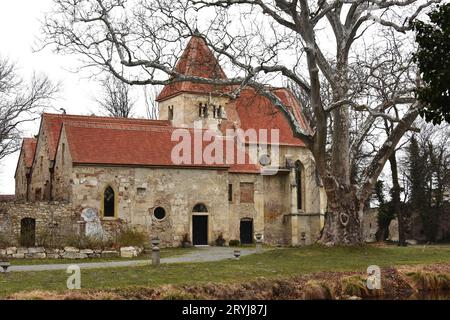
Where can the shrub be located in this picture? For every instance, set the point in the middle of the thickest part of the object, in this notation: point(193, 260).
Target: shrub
point(355, 286)
point(220, 241)
point(425, 281)
point(234, 243)
point(315, 290)
point(132, 237)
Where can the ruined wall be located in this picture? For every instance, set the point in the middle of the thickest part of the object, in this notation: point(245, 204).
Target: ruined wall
point(60, 215)
point(140, 190)
point(370, 224)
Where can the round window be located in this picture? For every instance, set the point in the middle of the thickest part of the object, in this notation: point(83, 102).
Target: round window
point(159, 213)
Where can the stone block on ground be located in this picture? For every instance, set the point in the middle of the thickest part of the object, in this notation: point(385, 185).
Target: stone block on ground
point(11, 250)
point(128, 252)
point(33, 250)
point(110, 254)
point(71, 249)
point(22, 250)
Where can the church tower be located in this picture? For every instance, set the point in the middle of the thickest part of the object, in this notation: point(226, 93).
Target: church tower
point(185, 103)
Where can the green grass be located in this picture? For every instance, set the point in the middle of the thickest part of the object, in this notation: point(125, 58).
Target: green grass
point(165, 253)
point(275, 263)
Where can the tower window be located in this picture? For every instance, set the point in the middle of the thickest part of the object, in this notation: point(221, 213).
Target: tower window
point(230, 192)
point(220, 112)
point(170, 113)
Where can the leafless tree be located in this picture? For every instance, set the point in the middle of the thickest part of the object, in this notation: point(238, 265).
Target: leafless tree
point(20, 102)
point(151, 106)
point(314, 44)
point(116, 99)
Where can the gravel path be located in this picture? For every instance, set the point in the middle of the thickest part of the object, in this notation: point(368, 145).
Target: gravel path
point(202, 254)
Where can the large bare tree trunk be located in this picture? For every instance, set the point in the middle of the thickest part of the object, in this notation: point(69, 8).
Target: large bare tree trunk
point(342, 223)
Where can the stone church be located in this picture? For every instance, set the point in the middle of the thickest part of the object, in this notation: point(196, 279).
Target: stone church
point(123, 169)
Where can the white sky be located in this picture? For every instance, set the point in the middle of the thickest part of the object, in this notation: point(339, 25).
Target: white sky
point(19, 29)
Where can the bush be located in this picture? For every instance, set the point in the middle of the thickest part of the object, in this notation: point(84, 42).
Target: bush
point(234, 243)
point(132, 237)
point(86, 242)
point(220, 241)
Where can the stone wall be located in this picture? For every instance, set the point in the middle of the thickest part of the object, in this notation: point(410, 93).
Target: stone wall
point(40, 175)
point(370, 224)
point(52, 220)
point(249, 207)
point(67, 253)
point(21, 178)
point(140, 190)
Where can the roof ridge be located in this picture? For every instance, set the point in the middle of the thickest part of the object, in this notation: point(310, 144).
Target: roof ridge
point(116, 119)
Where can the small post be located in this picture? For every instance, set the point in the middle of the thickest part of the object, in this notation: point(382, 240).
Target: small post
point(5, 265)
point(259, 240)
point(237, 254)
point(155, 251)
point(303, 238)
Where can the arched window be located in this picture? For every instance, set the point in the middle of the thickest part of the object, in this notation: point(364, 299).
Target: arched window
point(200, 207)
point(298, 182)
point(109, 202)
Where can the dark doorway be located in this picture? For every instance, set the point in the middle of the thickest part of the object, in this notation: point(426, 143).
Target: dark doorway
point(199, 230)
point(246, 231)
point(27, 232)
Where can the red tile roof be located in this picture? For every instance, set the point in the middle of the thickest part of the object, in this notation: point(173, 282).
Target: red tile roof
point(196, 60)
point(257, 112)
point(28, 149)
point(138, 145)
point(52, 124)
point(141, 146)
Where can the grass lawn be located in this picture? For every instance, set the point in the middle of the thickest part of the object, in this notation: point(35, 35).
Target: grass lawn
point(165, 253)
point(275, 263)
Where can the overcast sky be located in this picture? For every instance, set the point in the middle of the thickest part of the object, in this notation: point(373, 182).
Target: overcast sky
point(19, 29)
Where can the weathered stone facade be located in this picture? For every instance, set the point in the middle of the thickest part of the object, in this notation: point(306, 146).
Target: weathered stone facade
point(159, 198)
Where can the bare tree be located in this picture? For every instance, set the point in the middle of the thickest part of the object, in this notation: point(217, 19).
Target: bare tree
point(310, 43)
point(116, 99)
point(151, 106)
point(20, 103)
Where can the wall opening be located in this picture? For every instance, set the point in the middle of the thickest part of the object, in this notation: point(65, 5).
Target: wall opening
point(109, 202)
point(27, 232)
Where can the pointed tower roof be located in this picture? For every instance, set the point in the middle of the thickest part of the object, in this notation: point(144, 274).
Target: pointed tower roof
point(196, 60)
